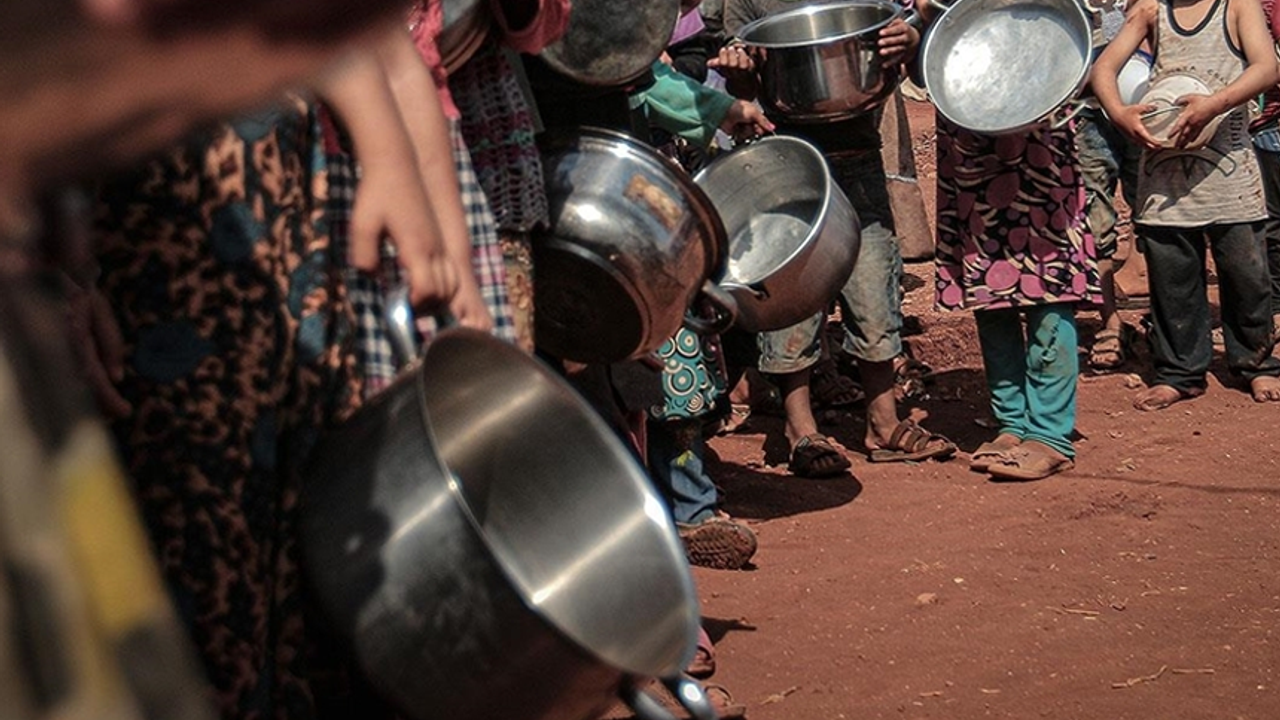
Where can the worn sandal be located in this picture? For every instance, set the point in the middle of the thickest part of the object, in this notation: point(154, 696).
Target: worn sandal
point(815, 457)
point(1028, 463)
point(910, 442)
point(988, 452)
point(1110, 348)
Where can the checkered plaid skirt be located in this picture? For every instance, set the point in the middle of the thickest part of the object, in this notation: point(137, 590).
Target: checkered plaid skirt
point(373, 347)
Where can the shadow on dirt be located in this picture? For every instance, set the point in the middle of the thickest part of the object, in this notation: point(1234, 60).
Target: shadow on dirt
point(750, 494)
point(718, 628)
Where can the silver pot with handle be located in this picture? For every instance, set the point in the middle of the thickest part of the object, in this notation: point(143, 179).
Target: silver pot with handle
point(822, 62)
point(1000, 67)
point(633, 245)
point(486, 547)
point(612, 42)
point(793, 234)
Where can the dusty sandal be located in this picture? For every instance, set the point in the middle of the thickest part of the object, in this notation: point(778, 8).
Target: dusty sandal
point(1028, 463)
point(814, 457)
point(910, 442)
point(987, 453)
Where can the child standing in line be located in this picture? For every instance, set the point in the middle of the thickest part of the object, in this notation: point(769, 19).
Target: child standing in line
point(1190, 197)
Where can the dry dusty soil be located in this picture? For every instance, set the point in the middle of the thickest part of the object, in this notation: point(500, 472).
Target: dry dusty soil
point(1143, 584)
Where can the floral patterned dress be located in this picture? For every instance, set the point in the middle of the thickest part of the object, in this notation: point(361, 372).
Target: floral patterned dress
point(218, 264)
point(1011, 224)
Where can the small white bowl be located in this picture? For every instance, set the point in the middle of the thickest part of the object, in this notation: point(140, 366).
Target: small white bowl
point(1164, 94)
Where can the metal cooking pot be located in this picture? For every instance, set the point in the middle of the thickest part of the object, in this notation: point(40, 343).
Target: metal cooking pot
point(488, 548)
point(612, 42)
point(1006, 66)
point(822, 62)
point(793, 235)
point(633, 243)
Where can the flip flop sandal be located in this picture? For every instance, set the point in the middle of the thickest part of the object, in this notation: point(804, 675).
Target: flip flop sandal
point(910, 442)
point(1022, 464)
point(815, 457)
point(987, 453)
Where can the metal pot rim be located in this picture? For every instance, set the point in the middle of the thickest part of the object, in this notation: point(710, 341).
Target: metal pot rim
point(930, 42)
point(819, 219)
point(745, 32)
point(497, 553)
point(719, 251)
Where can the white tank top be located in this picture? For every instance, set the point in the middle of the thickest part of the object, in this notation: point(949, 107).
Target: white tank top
point(1220, 182)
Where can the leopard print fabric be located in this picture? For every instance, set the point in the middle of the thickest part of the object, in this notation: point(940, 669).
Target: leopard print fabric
point(217, 261)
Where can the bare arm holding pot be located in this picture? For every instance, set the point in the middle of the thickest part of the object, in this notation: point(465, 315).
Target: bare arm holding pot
point(1247, 28)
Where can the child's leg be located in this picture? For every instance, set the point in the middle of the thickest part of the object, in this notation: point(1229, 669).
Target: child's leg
point(1004, 362)
point(1052, 367)
point(1180, 343)
point(1244, 285)
point(675, 463)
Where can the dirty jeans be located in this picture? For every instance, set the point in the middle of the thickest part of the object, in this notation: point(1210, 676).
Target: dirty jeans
point(1106, 156)
point(1032, 376)
point(871, 301)
point(1181, 346)
point(1267, 144)
point(675, 453)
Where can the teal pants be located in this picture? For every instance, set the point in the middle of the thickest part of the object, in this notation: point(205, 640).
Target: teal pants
point(1032, 375)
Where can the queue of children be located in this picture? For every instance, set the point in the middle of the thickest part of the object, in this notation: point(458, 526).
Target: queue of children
point(235, 263)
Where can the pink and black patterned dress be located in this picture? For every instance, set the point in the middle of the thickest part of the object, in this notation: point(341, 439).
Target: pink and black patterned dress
point(1011, 223)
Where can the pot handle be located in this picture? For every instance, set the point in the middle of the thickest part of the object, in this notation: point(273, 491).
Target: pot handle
point(724, 310)
point(686, 690)
point(399, 316)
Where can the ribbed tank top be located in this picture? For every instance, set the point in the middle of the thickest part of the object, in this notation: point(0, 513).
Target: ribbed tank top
point(1220, 182)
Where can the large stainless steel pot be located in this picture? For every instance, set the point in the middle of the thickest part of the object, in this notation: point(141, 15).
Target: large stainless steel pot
point(1006, 66)
point(793, 235)
point(822, 62)
point(633, 244)
point(488, 548)
point(612, 42)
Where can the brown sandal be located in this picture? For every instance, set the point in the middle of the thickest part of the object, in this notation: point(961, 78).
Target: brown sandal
point(910, 442)
point(815, 457)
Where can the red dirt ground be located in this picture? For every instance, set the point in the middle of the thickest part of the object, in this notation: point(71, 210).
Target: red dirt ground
point(1143, 584)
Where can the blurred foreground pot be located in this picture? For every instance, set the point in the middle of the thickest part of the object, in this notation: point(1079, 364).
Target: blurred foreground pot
point(487, 548)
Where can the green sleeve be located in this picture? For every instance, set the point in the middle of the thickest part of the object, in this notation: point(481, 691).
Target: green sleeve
point(683, 106)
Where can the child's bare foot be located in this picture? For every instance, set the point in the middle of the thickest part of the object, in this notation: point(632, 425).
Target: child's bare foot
point(1266, 388)
point(1159, 397)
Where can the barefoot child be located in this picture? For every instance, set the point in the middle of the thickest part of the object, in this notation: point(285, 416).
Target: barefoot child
point(1190, 197)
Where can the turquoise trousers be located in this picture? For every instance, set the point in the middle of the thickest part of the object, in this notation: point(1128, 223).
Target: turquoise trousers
point(1031, 374)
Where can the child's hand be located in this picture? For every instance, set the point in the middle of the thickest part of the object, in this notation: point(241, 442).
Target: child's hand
point(898, 41)
point(734, 59)
point(1197, 112)
point(1129, 121)
point(745, 120)
point(390, 201)
point(468, 305)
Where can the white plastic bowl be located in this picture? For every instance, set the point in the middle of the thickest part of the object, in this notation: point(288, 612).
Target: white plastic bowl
point(1164, 94)
point(1134, 79)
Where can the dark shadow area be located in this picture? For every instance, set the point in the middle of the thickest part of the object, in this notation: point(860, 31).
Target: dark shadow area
point(718, 628)
point(750, 494)
point(955, 403)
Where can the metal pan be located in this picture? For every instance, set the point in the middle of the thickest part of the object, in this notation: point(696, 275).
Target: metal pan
point(612, 42)
point(1005, 66)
